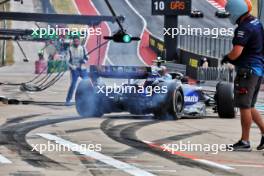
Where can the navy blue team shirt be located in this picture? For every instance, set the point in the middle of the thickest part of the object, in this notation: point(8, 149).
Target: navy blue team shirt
point(250, 35)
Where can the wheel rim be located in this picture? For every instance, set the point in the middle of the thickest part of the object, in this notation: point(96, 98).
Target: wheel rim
point(177, 102)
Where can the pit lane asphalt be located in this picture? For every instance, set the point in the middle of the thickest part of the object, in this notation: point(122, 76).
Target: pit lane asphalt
point(121, 138)
point(17, 137)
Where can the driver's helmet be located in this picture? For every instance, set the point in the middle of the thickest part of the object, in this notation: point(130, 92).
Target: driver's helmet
point(163, 70)
point(155, 70)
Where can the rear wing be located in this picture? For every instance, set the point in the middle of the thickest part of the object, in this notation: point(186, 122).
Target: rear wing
point(120, 72)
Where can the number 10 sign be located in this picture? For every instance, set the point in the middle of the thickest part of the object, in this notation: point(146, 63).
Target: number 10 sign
point(171, 7)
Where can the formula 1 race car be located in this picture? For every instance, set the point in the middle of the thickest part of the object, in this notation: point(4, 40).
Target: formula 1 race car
point(222, 14)
point(196, 14)
point(144, 90)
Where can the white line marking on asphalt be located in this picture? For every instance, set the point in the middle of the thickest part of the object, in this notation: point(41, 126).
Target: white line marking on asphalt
point(143, 30)
point(148, 142)
point(87, 39)
point(214, 164)
point(247, 165)
point(108, 44)
point(143, 19)
point(109, 60)
point(132, 170)
point(4, 160)
point(179, 153)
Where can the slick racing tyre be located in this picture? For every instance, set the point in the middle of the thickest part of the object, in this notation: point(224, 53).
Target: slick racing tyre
point(225, 100)
point(177, 104)
point(172, 109)
point(88, 102)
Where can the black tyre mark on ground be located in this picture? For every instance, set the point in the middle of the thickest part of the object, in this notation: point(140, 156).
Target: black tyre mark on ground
point(97, 164)
point(21, 118)
point(179, 137)
point(126, 134)
point(26, 173)
point(88, 162)
point(12, 136)
point(81, 130)
point(94, 163)
point(164, 141)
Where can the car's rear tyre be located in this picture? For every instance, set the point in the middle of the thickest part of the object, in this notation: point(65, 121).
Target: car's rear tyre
point(88, 102)
point(173, 108)
point(225, 100)
point(177, 104)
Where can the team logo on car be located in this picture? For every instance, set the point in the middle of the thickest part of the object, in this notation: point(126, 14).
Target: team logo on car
point(191, 99)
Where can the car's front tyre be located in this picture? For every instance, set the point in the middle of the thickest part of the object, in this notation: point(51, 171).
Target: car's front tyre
point(225, 100)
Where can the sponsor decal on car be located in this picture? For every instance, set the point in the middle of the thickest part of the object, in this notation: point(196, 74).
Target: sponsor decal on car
point(191, 99)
